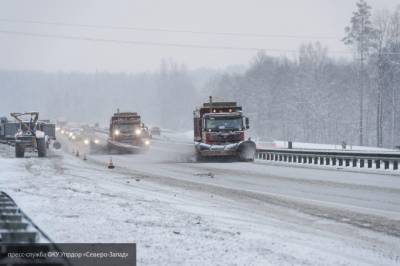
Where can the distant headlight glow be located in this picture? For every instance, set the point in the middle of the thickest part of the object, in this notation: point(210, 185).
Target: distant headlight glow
point(96, 141)
point(147, 142)
point(116, 132)
point(138, 131)
point(73, 137)
point(86, 141)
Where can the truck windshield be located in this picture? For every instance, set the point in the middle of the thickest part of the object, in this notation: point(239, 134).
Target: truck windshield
point(231, 123)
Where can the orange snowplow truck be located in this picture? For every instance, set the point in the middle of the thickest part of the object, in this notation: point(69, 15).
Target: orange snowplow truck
point(219, 131)
point(128, 133)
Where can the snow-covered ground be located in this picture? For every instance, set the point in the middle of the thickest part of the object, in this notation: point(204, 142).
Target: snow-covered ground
point(224, 213)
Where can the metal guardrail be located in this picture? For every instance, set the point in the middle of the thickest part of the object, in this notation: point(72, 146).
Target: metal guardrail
point(348, 159)
point(15, 226)
point(17, 230)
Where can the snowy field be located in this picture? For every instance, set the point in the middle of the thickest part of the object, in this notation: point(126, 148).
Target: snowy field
point(184, 213)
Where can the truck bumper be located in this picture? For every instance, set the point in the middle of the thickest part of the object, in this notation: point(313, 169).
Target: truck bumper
point(125, 147)
point(244, 150)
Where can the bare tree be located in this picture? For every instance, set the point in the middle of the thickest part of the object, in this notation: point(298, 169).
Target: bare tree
point(381, 60)
point(394, 51)
point(360, 35)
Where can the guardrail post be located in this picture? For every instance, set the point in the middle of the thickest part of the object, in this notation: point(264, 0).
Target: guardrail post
point(378, 164)
point(386, 164)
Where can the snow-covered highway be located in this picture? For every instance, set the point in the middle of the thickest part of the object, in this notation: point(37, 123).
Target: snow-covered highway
point(224, 213)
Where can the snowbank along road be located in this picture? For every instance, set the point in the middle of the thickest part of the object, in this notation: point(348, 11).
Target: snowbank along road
point(222, 213)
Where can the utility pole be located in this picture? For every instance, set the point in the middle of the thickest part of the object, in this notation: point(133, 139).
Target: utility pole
point(361, 77)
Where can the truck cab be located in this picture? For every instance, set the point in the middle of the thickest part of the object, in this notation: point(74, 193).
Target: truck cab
point(219, 131)
point(127, 128)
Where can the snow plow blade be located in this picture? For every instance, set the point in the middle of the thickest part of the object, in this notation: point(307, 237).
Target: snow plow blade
point(124, 147)
point(244, 151)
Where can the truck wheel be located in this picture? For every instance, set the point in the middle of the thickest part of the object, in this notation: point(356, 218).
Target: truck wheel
point(109, 148)
point(19, 150)
point(57, 145)
point(41, 147)
point(247, 151)
point(198, 157)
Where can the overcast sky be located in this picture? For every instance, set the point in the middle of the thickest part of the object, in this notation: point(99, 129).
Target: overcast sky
point(279, 27)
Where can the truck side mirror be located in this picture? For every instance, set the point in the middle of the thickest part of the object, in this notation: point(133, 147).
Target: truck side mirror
point(247, 121)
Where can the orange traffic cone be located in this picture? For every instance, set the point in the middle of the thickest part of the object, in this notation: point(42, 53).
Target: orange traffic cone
point(110, 164)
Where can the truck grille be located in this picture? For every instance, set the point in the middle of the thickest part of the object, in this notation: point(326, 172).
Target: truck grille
point(223, 138)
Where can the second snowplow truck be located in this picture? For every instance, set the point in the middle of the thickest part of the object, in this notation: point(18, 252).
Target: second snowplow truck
point(219, 131)
point(128, 133)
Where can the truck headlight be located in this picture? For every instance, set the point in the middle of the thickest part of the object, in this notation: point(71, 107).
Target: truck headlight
point(138, 132)
point(86, 141)
point(116, 132)
point(96, 141)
